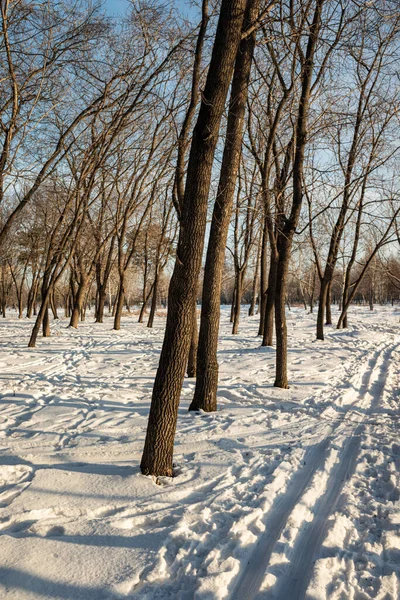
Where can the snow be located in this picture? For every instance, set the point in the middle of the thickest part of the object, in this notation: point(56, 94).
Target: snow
point(281, 494)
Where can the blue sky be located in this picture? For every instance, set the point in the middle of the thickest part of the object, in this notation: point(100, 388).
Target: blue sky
point(118, 7)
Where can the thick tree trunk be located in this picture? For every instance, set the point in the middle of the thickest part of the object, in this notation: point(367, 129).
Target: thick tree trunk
point(145, 303)
point(37, 325)
point(3, 291)
point(119, 304)
point(78, 304)
point(46, 321)
point(102, 280)
point(153, 306)
point(238, 302)
point(284, 246)
point(254, 290)
point(29, 304)
point(42, 319)
point(145, 295)
point(232, 316)
point(194, 342)
point(263, 277)
point(205, 396)
point(268, 333)
point(286, 227)
point(323, 294)
point(67, 312)
point(53, 305)
point(312, 295)
point(46, 292)
point(20, 306)
point(329, 305)
point(343, 321)
point(101, 300)
point(158, 449)
point(32, 297)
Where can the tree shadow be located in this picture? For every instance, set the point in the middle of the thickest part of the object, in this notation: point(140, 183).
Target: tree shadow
point(14, 579)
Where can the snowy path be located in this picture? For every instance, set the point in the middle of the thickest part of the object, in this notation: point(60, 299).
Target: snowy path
point(280, 494)
point(307, 546)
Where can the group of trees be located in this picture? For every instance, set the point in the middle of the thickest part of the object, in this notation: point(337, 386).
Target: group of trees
point(274, 120)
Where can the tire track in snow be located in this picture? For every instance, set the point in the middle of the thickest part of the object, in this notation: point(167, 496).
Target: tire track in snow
point(310, 538)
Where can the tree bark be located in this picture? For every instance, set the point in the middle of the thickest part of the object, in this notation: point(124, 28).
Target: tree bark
point(53, 305)
point(46, 321)
point(158, 449)
point(194, 342)
point(263, 276)
point(254, 290)
point(281, 377)
point(232, 317)
point(205, 396)
point(78, 304)
point(268, 332)
point(101, 300)
point(119, 304)
point(238, 302)
point(323, 294)
point(329, 305)
point(287, 225)
point(153, 306)
point(145, 303)
point(36, 326)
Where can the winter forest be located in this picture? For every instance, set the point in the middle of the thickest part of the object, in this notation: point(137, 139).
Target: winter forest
point(199, 299)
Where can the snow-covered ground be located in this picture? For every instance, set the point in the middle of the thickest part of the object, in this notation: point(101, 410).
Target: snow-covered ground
point(282, 494)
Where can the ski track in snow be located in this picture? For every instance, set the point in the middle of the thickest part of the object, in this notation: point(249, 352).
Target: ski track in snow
point(282, 494)
point(307, 545)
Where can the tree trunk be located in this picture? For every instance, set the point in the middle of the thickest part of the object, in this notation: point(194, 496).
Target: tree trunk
point(102, 293)
point(29, 304)
point(238, 302)
point(78, 304)
point(38, 323)
point(66, 306)
point(254, 290)
point(263, 277)
point(205, 396)
point(287, 226)
point(281, 379)
point(194, 342)
point(144, 305)
point(20, 306)
point(328, 305)
point(46, 321)
point(53, 305)
point(323, 294)
point(119, 304)
point(232, 316)
point(312, 295)
point(158, 449)
point(153, 307)
point(268, 332)
point(46, 292)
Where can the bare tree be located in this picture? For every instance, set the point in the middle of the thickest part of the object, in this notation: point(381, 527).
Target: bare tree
point(158, 450)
